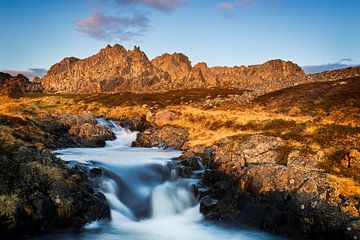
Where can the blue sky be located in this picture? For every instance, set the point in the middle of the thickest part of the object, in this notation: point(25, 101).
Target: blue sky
point(39, 33)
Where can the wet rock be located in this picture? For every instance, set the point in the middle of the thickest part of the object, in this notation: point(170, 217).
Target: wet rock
point(95, 172)
point(194, 163)
point(135, 124)
point(80, 130)
point(208, 204)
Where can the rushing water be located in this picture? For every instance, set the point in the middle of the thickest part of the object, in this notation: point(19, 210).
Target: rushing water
point(147, 200)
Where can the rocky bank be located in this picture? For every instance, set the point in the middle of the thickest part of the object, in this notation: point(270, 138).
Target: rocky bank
point(258, 181)
point(38, 191)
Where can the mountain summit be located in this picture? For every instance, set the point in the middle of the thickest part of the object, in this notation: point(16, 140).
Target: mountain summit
point(115, 69)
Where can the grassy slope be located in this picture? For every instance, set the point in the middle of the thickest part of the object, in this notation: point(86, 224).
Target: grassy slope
point(315, 118)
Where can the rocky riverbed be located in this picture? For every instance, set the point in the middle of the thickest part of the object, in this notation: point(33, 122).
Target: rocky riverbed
point(254, 179)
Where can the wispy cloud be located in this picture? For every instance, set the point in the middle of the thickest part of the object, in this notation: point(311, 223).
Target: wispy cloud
point(341, 63)
point(229, 7)
point(30, 73)
point(162, 5)
point(113, 28)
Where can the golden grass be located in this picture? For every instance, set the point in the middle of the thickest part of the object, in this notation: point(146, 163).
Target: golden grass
point(348, 187)
point(207, 126)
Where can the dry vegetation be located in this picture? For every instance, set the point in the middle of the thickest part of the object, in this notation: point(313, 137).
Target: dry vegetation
point(312, 117)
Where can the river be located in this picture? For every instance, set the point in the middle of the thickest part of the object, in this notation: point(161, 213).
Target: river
point(147, 200)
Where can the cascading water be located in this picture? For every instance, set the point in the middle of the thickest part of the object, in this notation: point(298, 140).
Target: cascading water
point(147, 199)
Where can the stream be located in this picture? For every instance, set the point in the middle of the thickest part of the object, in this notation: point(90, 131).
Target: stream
point(148, 200)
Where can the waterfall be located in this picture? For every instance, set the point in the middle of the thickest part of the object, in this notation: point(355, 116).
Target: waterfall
point(147, 198)
point(171, 198)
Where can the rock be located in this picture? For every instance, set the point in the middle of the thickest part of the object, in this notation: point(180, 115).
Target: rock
point(14, 85)
point(254, 149)
point(80, 130)
point(194, 163)
point(207, 204)
point(350, 158)
point(354, 156)
point(165, 117)
point(167, 137)
point(134, 124)
point(95, 172)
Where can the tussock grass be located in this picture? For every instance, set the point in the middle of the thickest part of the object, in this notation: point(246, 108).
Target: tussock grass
point(63, 209)
point(8, 205)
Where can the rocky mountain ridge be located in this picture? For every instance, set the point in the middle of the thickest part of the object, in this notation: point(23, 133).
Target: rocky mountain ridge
point(115, 69)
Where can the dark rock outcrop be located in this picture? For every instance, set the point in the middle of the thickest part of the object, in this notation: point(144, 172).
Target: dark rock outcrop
point(38, 191)
point(252, 180)
point(15, 85)
point(61, 131)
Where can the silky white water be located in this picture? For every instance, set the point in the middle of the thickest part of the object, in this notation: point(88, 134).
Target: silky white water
point(147, 201)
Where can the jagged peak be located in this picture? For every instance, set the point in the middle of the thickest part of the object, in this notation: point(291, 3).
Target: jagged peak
point(201, 65)
point(115, 49)
point(137, 48)
point(173, 58)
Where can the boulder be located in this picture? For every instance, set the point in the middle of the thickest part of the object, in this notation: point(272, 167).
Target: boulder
point(167, 137)
point(80, 130)
point(165, 117)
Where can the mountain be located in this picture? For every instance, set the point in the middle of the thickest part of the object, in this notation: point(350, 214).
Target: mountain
point(115, 69)
point(13, 85)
